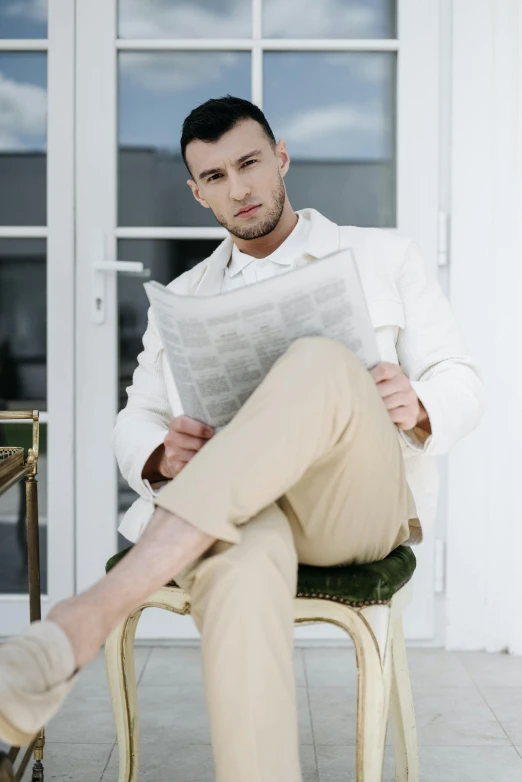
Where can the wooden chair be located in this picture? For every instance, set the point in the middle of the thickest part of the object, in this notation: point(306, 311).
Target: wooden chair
point(367, 601)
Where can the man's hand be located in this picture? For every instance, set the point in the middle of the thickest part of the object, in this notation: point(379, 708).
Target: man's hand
point(405, 409)
point(182, 442)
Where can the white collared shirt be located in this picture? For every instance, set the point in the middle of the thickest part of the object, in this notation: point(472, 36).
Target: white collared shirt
point(244, 269)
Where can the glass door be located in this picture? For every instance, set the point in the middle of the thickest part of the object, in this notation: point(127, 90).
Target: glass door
point(36, 291)
point(353, 90)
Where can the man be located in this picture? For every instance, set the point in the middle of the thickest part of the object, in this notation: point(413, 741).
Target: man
point(325, 463)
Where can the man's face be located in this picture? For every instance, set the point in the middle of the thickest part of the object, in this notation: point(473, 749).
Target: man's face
point(240, 178)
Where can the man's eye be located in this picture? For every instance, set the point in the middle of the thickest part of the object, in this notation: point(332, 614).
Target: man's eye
point(249, 161)
point(213, 177)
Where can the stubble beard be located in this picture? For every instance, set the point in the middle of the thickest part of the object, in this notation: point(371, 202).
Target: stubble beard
point(266, 225)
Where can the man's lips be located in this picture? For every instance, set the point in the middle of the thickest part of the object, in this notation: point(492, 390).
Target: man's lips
point(247, 211)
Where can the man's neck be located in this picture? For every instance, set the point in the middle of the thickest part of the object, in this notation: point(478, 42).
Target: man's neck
point(266, 245)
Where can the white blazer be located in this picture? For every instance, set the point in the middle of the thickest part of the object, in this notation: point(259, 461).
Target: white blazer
point(414, 327)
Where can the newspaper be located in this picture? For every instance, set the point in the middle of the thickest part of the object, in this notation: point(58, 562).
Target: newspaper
point(219, 348)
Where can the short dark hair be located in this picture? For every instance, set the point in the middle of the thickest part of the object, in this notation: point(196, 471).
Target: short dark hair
point(215, 117)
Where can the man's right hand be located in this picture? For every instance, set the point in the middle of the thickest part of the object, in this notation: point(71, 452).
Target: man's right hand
point(182, 442)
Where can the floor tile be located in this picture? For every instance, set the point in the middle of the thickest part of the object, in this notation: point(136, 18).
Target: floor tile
point(111, 770)
point(170, 666)
point(299, 668)
point(334, 667)
point(174, 714)
point(304, 717)
point(189, 763)
point(308, 764)
point(179, 714)
point(337, 764)
point(165, 762)
point(437, 668)
point(428, 667)
point(492, 670)
point(445, 716)
point(334, 711)
point(437, 764)
point(93, 675)
point(469, 764)
point(182, 665)
point(449, 716)
point(86, 718)
point(506, 704)
point(78, 762)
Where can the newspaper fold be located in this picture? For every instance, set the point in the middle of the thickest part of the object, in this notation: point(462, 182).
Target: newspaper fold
point(219, 348)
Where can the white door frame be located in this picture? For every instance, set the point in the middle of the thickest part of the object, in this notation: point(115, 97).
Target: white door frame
point(418, 172)
point(59, 232)
point(97, 234)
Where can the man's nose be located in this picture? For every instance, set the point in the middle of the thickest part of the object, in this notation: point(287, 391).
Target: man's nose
point(239, 189)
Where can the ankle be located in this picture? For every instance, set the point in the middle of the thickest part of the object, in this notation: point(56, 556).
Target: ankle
point(82, 628)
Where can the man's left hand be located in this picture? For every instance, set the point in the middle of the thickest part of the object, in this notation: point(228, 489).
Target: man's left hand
point(405, 409)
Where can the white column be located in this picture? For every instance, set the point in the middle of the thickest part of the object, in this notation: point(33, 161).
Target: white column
point(484, 520)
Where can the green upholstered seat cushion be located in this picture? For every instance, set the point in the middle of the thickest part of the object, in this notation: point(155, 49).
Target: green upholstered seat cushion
point(374, 582)
point(356, 585)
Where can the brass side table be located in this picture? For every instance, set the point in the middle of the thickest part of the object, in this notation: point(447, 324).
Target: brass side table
point(15, 467)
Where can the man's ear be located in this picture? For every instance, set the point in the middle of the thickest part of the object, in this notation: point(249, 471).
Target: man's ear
point(284, 158)
point(196, 193)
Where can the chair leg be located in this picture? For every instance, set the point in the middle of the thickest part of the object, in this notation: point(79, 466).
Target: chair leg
point(402, 714)
point(121, 677)
point(371, 707)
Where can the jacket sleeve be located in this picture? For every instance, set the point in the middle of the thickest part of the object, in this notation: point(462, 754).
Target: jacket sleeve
point(433, 354)
point(142, 425)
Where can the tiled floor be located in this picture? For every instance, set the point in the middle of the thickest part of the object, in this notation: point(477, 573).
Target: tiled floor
point(469, 717)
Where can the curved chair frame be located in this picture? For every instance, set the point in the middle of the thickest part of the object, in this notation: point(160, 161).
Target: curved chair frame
point(383, 679)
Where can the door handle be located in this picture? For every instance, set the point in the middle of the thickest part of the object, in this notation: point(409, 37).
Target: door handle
point(100, 269)
point(127, 267)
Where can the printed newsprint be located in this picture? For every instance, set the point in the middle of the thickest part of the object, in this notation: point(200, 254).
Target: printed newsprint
point(219, 348)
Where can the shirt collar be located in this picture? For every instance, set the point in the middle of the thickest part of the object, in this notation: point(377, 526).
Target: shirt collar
point(324, 239)
point(295, 245)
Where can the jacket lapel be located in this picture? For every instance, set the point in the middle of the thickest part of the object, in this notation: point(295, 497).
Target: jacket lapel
point(210, 282)
point(324, 235)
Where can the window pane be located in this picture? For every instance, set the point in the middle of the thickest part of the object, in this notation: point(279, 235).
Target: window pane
point(23, 19)
point(23, 349)
point(166, 259)
point(329, 19)
point(156, 92)
point(23, 120)
point(185, 19)
point(13, 537)
point(336, 111)
point(23, 358)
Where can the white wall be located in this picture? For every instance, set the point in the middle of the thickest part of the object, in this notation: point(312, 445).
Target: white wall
point(484, 590)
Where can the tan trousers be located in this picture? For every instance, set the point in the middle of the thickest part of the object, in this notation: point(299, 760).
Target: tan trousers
point(310, 470)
